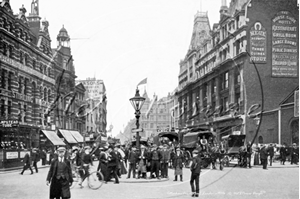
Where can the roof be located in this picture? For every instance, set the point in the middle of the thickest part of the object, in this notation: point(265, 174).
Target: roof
point(63, 33)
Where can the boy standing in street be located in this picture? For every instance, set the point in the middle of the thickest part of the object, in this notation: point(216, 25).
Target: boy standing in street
point(195, 169)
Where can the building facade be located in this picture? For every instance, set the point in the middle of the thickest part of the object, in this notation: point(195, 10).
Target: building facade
point(156, 115)
point(27, 81)
point(96, 112)
point(218, 82)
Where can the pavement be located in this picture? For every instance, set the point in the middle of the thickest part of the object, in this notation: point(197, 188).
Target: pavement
point(234, 182)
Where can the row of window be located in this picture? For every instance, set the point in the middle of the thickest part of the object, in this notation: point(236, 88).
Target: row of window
point(23, 86)
point(9, 26)
point(25, 59)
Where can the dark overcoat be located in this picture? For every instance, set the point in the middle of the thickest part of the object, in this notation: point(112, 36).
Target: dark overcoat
point(51, 177)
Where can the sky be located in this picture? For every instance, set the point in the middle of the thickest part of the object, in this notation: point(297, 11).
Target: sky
point(124, 41)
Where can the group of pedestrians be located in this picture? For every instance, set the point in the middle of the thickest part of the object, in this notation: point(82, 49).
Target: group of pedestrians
point(266, 154)
point(28, 160)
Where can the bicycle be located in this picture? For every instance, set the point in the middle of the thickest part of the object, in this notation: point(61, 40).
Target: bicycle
point(94, 179)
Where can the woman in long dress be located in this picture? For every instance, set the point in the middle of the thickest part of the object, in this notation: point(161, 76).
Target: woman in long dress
point(178, 164)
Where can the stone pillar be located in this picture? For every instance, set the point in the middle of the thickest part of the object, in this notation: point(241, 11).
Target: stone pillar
point(209, 93)
point(231, 87)
point(29, 113)
point(14, 89)
point(217, 91)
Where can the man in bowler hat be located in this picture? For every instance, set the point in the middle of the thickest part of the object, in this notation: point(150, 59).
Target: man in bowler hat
point(60, 176)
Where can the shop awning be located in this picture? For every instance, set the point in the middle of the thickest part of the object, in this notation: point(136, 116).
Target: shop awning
point(78, 137)
point(52, 136)
point(68, 136)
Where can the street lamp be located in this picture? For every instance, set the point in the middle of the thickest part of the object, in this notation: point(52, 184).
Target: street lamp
point(137, 102)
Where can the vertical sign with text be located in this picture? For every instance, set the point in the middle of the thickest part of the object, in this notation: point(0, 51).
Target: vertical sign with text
point(258, 41)
point(284, 45)
point(296, 104)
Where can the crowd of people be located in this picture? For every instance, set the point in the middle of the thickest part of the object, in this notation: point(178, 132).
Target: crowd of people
point(148, 162)
point(266, 154)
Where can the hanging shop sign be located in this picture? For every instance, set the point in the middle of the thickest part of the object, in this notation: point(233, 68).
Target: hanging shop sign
point(9, 123)
point(258, 41)
point(284, 45)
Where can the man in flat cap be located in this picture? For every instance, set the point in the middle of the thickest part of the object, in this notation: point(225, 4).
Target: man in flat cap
point(60, 176)
point(165, 158)
point(195, 169)
point(155, 157)
point(86, 162)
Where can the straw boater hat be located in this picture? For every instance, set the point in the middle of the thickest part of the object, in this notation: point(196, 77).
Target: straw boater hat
point(143, 147)
point(195, 152)
point(178, 149)
point(75, 148)
point(87, 147)
point(61, 149)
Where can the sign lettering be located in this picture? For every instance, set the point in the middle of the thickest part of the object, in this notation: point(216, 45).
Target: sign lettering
point(258, 42)
point(9, 123)
point(24, 68)
point(284, 45)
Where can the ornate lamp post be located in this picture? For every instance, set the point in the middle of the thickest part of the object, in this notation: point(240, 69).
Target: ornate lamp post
point(137, 102)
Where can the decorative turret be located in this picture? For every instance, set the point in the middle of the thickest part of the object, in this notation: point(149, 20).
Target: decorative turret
point(63, 38)
point(200, 31)
point(224, 8)
point(34, 18)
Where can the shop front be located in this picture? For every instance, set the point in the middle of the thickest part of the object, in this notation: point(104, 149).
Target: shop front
point(16, 140)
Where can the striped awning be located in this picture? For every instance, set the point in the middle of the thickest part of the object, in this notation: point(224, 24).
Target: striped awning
point(78, 137)
point(68, 136)
point(52, 136)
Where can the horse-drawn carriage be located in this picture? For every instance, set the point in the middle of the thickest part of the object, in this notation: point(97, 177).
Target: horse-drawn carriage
point(214, 152)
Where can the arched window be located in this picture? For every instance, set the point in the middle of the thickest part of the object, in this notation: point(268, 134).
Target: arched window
point(21, 57)
point(41, 68)
point(45, 94)
point(41, 93)
point(260, 139)
point(10, 51)
point(49, 93)
point(33, 91)
point(33, 64)
point(4, 48)
point(49, 72)
point(26, 60)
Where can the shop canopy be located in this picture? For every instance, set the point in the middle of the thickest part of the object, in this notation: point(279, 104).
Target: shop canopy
point(52, 136)
point(78, 137)
point(68, 136)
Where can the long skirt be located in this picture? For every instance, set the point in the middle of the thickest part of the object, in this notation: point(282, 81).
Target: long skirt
point(142, 167)
point(178, 171)
point(123, 169)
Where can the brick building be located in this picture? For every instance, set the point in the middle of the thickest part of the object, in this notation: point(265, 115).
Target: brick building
point(27, 81)
point(218, 82)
